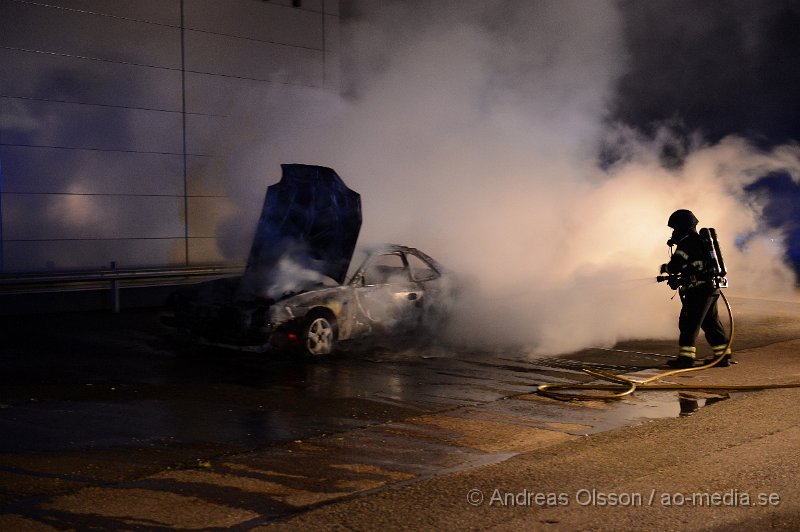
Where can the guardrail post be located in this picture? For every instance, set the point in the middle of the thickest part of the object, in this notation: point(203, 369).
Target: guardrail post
point(114, 290)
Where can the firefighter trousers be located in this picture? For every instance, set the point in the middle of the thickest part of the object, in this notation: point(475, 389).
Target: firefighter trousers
point(699, 311)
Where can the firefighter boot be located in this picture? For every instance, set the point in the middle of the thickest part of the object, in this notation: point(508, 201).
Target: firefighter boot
point(685, 358)
point(719, 350)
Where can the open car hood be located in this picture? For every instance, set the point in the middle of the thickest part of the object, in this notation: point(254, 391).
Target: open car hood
point(307, 231)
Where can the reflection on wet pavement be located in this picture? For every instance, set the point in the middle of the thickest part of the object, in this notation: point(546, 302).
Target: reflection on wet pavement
point(123, 413)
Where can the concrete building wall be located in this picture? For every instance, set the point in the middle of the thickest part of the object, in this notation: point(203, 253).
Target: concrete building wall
point(110, 113)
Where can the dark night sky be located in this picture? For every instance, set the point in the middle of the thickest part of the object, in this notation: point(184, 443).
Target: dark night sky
point(716, 67)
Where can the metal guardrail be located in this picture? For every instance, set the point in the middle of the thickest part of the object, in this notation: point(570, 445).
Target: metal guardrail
point(110, 279)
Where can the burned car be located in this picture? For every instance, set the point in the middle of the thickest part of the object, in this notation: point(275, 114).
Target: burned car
point(301, 289)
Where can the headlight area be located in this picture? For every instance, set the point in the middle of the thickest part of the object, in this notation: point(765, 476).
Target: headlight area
point(287, 324)
point(284, 324)
point(278, 315)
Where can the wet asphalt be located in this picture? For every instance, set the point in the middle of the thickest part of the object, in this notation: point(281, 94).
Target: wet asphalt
point(95, 399)
point(92, 380)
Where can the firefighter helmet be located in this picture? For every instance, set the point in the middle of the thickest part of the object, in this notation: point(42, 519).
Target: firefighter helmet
point(682, 221)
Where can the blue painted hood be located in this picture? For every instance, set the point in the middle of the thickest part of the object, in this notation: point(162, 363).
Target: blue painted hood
point(309, 226)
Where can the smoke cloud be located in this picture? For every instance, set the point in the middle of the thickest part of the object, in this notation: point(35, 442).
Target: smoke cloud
point(472, 130)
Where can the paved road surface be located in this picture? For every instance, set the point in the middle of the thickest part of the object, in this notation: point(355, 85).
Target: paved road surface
point(98, 407)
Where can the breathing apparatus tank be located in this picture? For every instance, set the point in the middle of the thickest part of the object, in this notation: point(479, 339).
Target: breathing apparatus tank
point(715, 265)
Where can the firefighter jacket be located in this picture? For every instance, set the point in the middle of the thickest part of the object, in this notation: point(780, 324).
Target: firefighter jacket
point(688, 264)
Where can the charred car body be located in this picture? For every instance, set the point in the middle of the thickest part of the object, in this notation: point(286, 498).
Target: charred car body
point(299, 289)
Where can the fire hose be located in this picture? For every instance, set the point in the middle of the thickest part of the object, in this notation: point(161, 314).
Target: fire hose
point(624, 386)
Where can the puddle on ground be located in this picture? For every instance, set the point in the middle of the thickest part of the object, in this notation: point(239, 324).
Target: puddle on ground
point(592, 417)
point(657, 405)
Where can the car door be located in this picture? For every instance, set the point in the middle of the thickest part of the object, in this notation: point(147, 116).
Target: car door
point(389, 301)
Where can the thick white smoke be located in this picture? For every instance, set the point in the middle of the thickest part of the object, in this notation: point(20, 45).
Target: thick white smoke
point(473, 135)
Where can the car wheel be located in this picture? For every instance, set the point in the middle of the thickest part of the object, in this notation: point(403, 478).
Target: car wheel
point(319, 336)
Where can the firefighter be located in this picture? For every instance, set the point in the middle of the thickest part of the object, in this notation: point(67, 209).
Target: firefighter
point(688, 274)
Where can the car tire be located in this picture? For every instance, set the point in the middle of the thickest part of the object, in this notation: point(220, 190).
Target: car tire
point(319, 335)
